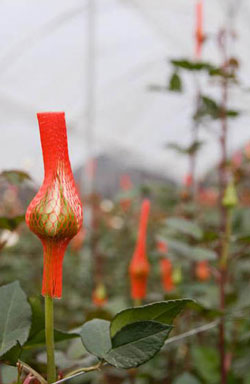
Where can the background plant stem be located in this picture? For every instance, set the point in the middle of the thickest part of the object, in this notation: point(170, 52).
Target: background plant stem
point(223, 280)
point(222, 39)
point(49, 333)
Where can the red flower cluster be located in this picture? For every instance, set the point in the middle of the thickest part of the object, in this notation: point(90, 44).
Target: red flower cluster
point(55, 214)
point(139, 266)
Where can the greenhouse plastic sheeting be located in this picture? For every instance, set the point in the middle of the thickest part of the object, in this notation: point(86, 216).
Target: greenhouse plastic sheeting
point(43, 67)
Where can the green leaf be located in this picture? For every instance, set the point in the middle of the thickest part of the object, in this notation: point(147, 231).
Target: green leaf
point(206, 363)
point(209, 107)
point(162, 312)
point(179, 247)
point(176, 147)
point(211, 313)
point(95, 336)
point(37, 331)
point(192, 65)
point(232, 113)
point(186, 378)
point(11, 223)
point(221, 72)
point(39, 339)
point(12, 356)
point(192, 253)
point(15, 176)
point(38, 322)
point(185, 226)
point(136, 343)
point(15, 316)
point(200, 254)
point(194, 147)
point(175, 84)
point(189, 150)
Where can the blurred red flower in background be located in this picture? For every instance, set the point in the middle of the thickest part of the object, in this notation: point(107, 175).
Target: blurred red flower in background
point(139, 265)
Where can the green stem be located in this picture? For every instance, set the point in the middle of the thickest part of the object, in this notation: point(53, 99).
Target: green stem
point(223, 262)
point(49, 333)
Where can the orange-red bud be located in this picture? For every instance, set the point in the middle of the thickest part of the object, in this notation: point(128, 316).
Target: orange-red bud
point(139, 266)
point(55, 213)
point(166, 274)
point(99, 296)
point(202, 270)
point(199, 37)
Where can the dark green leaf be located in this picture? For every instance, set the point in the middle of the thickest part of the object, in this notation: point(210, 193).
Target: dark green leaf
point(162, 312)
point(15, 317)
point(175, 84)
point(221, 72)
point(38, 323)
point(136, 343)
point(39, 339)
point(232, 113)
point(209, 107)
point(95, 335)
point(12, 356)
point(11, 223)
point(192, 65)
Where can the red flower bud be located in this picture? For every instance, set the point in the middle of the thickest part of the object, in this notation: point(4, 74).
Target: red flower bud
point(166, 274)
point(99, 296)
point(199, 37)
point(139, 266)
point(55, 213)
point(202, 270)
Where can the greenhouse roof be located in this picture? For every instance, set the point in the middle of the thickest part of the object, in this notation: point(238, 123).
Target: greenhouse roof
point(44, 59)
